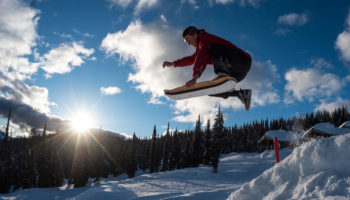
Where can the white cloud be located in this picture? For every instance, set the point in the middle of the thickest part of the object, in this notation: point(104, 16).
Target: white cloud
point(122, 3)
point(171, 131)
point(346, 79)
point(343, 45)
point(309, 84)
point(18, 40)
point(88, 35)
point(321, 63)
point(343, 41)
point(282, 31)
point(110, 90)
point(64, 35)
point(331, 106)
point(293, 19)
point(144, 4)
point(243, 3)
point(163, 18)
point(18, 34)
point(13, 88)
point(147, 46)
point(25, 117)
point(18, 27)
point(192, 2)
point(224, 1)
point(140, 4)
point(261, 79)
point(64, 58)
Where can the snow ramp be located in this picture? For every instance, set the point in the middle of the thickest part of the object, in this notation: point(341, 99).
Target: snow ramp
point(319, 169)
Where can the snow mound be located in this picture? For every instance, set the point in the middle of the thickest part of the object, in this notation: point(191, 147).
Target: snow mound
point(319, 169)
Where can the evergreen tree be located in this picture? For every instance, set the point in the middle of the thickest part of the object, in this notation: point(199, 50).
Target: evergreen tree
point(197, 144)
point(153, 158)
point(56, 167)
point(175, 154)
point(207, 140)
point(132, 163)
point(218, 129)
point(79, 173)
point(143, 158)
point(5, 171)
point(98, 168)
point(36, 161)
point(225, 140)
point(28, 172)
point(44, 131)
point(188, 154)
point(43, 166)
point(166, 150)
point(80, 166)
point(7, 129)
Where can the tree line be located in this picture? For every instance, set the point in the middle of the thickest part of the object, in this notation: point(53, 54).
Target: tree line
point(51, 160)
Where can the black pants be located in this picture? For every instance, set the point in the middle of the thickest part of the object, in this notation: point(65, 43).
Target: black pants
point(229, 61)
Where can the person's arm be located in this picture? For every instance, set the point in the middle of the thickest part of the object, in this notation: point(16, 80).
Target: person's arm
point(185, 61)
point(201, 60)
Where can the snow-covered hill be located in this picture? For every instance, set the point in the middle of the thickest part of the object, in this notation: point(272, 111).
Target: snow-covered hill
point(98, 130)
point(319, 169)
point(235, 169)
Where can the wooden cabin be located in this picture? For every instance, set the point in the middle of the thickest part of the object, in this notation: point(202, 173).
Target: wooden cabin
point(285, 139)
point(325, 130)
point(345, 125)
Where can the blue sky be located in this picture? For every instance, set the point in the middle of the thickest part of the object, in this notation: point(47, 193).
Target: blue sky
point(104, 58)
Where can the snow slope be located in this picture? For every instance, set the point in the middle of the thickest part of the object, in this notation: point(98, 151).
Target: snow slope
point(319, 169)
point(235, 169)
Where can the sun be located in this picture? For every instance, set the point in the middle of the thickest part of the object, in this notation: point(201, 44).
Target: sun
point(81, 121)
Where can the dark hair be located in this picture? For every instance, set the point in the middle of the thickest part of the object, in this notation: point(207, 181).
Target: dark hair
point(191, 30)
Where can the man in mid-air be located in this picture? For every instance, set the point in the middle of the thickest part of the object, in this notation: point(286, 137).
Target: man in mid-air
point(227, 58)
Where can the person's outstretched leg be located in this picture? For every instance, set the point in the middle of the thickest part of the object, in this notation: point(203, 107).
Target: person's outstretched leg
point(243, 95)
point(231, 62)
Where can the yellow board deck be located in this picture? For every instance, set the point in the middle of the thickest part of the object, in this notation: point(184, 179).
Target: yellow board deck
point(223, 84)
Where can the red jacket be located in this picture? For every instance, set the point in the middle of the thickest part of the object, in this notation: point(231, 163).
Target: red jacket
point(201, 57)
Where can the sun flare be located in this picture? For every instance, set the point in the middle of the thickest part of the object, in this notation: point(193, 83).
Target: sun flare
point(81, 121)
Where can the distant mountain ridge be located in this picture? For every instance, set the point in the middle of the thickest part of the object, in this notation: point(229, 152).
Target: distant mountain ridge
point(98, 130)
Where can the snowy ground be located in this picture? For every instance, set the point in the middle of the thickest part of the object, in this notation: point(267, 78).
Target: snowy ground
point(319, 169)
point(235, 169)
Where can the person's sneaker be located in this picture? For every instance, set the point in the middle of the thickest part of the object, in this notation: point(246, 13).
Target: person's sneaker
point(223, 95)
point(245, 97)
